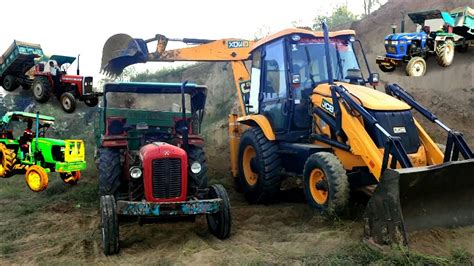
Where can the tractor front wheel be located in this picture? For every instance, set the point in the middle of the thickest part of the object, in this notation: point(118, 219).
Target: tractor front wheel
point(41, 89)
point(92, 102)
point(219, 223)
point(109, 225)
point(36, 178)
point(445, 53)
point(70, 178)
point(259, 166)
point(389, 68)
point(110, 171)
point(68, 102)
point(416, 67)
point(8, 160)
point(10, 83)
point(197, 168)
point(326, 185)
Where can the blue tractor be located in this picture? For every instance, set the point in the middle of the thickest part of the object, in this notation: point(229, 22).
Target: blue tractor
point(413, 48)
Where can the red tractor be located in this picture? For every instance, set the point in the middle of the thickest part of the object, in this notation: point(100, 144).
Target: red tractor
point(70, 87)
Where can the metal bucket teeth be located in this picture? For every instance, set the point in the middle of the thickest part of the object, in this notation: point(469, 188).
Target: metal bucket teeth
point(418, 198)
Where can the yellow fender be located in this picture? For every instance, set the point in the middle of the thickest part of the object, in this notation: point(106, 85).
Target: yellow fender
point(260, 121)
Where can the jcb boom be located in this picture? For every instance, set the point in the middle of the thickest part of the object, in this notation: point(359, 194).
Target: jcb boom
point(306, 110)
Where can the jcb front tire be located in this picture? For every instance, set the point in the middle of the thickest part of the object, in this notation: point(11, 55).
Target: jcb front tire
point(259, 167)
point(68, 102)
point(445, 53)
point(416, 67)
point(326, 185)
point(220, 223)
point(41, 89)
point(110, 171)
point(109, 225)
point(8, 160)
point(36, 178)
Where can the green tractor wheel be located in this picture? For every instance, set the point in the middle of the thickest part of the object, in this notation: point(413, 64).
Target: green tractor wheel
point(7, 161)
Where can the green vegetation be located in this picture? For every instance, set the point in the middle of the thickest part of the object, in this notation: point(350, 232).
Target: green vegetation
point(340, 16)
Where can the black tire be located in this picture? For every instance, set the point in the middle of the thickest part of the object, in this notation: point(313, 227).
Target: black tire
point(220, 223)
point(41, 89)
point(416, 67)
point(110, 171)
point(7, 161)
point(109, 225)
point(445, 53)
point(334, 181)
point(387, 68)
point(265, 167)
point(198, 180)
point(68, 102)
point(92, 102)
point(10, 83)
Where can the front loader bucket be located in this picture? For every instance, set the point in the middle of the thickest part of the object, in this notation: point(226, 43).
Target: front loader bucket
point(411, 199)
point(121, 51)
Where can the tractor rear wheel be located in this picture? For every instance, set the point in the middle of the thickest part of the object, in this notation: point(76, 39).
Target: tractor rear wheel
point(92, 102)
point(41, 89)
point(68, 102)
point(10, 83)
point(387, 68)
point(326, 185)
point(109, 225)
point(219, 223)
point(445, 53)
point(7, 161)
point(70, 178)
point(197, 168)
point(259, 166)
point(110, 171)
point(416, 67)
point(36, 178)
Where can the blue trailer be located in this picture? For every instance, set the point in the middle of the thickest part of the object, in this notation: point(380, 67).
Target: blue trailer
point(16, 62)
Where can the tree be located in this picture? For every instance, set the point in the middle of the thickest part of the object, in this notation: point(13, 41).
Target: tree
point(341, 15)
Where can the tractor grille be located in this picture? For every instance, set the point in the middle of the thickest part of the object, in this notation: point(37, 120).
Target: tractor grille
point(391, 49)
point(166, 178)
point(87, 85)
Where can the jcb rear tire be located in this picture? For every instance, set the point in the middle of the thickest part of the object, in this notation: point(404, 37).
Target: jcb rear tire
point(220, 223)
point(110, 171)
point(10, 83)
point(8, 160)
point(68, 102)
point(198, 180)
point(259, 167)
point(387, 68)
point(109, 225)
point(445, 53)
point(326, 185)
point(416, 67)
point(41, 89)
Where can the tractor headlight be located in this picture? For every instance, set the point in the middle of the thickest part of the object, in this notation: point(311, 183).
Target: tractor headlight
point(196, 168)
point(386, 41)
point(135, 172)
point(403, 42)
point(394, 42)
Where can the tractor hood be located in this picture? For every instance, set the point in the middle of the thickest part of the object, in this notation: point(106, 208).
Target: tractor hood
point(55, 142)
point(408, 36)
point(368, 97)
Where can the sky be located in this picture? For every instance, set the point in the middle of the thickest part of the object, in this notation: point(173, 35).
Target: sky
point(69, 27)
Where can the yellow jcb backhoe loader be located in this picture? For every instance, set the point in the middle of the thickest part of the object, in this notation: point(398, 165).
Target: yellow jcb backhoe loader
point(306, 109)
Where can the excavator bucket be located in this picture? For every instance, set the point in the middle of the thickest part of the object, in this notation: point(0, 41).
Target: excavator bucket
point(418, 198)
point(121, 51)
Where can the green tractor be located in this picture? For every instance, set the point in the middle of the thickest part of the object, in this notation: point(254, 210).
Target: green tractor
point(34, 155)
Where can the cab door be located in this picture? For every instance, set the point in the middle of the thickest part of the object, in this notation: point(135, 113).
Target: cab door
point(274, 86)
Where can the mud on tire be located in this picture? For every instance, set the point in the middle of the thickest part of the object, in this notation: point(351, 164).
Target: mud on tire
point(445, 53)
point(109, 225)
point(265, 167)
point(335, 182)
point(416, 67)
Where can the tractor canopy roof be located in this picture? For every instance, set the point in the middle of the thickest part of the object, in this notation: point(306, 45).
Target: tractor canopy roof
point(420, 17)
point(317, 34)
point(62, 59)
point(23, 116)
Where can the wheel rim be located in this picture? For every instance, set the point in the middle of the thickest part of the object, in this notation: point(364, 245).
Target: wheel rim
point(67, 103)
point(419, 68)
point(38, 91)
point(250, 176)
point(34, 180)
point(2, 160)
point(316, 177)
